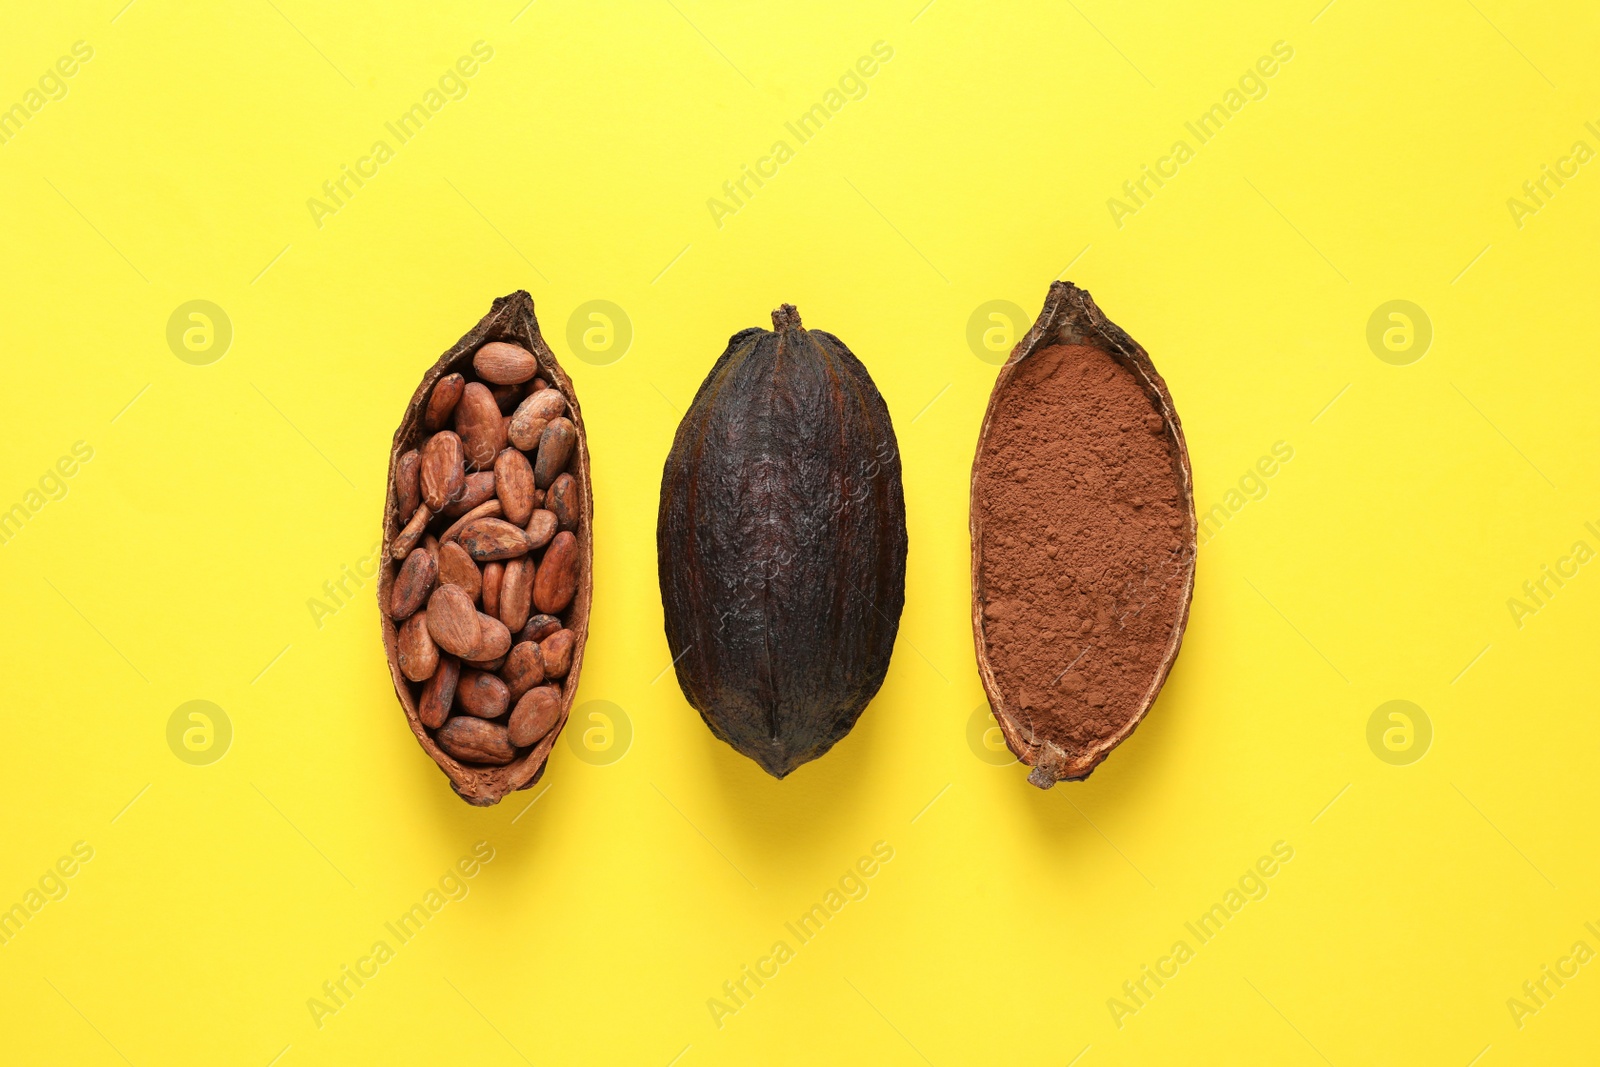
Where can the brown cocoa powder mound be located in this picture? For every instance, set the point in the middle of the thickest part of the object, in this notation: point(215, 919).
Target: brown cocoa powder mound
point(1083, 570)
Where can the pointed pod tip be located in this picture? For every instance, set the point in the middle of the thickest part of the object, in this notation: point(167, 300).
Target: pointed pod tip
point(786, 317)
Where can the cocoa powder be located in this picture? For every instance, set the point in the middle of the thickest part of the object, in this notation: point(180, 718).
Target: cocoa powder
point(1084, 570)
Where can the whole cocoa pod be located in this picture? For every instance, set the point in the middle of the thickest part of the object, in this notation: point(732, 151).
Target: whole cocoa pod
point(781, 544)
point(455, 509)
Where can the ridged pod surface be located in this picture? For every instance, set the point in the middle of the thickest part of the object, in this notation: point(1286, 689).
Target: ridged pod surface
point(781, 543)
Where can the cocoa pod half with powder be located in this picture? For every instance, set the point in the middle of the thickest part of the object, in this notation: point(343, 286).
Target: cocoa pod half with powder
point(1083, 539)
point(781, 544)
point(456, 540)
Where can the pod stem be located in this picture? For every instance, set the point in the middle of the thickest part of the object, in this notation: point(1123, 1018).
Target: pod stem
point(786, 317)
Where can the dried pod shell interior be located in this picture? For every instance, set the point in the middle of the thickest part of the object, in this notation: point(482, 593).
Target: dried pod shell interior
point(475, 753)
point(1083, 539)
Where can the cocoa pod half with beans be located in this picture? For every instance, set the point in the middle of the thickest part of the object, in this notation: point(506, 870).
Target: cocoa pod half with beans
point(781, 544)
point(460, 496)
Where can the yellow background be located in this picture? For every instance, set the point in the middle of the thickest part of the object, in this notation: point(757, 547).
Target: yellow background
point(977, 167)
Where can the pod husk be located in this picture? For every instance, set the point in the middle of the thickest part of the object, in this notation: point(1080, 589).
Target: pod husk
point(781, 544)
point(1070, 317)
point(511, 318)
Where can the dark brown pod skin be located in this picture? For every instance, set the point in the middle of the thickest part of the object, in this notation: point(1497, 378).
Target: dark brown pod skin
point(1066, 699)
point(480, 764)
point(781, 544)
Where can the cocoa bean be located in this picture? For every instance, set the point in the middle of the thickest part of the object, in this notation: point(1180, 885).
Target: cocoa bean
point(442, 404)
point(555, 449)
point(453, 622)
point(562, 499)
point(413, 584)
point(540, 529)
point(407, 539)
point(523, 669)
point(480, 487)
point(494, 639)
point(533, 415)
point(479, 427)
point(457, 568)
point(475, 741)
point(489, 509)
point(506, 398)
point(494, 539)
point(516, 593)
point(555, 652)
point(513, 484)
point(439, 693)
point(407, 483)
point(536, 712)
point(556, 581)
point(781, 544)
point(482, 694)
point(441, 473)
point(539, 627)
point(493, 575)
point(417, 655)
point(504, 363)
